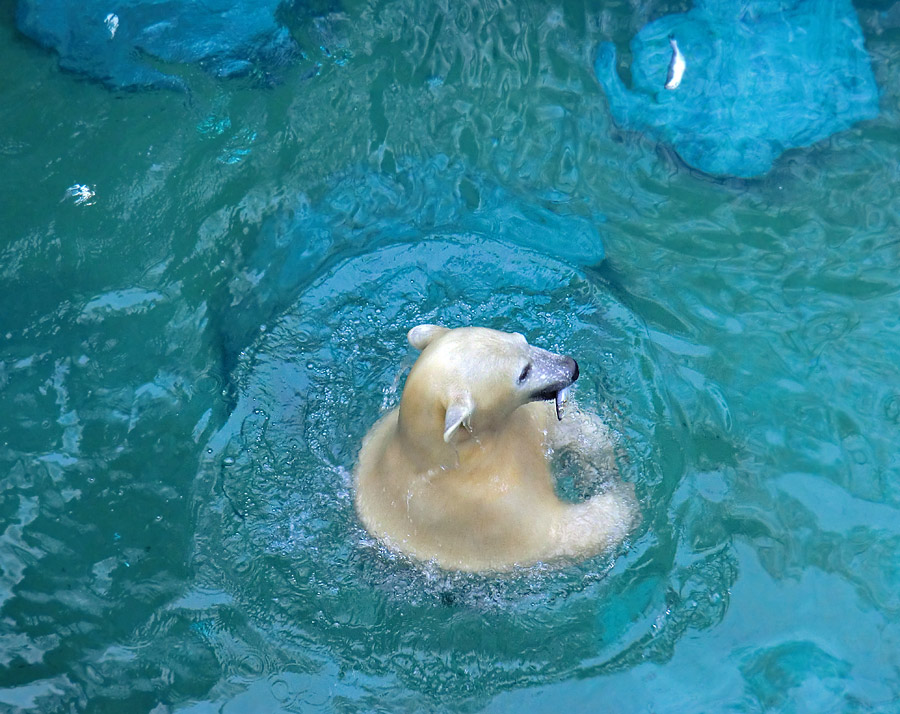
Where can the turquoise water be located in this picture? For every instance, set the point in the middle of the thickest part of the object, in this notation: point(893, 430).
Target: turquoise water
point(191, 356)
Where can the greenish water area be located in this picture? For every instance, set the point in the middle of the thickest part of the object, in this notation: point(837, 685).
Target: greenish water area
point(193, 345)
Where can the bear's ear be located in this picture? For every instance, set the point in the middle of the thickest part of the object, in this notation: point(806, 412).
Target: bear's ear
point(422, 335)
point(458, 413)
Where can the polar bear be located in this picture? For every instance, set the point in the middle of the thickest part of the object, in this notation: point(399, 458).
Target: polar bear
point(459, 473)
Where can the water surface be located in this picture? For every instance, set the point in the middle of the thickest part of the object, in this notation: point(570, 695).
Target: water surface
point(189, 359)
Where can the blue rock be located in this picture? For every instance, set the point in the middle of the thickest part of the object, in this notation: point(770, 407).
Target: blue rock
point(762, 77)
point(121, 42)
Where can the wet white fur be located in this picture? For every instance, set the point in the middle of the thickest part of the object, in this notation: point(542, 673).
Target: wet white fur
point(483, 499)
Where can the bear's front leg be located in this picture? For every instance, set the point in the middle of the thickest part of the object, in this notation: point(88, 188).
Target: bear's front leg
point(587, 436)
point(597, 525)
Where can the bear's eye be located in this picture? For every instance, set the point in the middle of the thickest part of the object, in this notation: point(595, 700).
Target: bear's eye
point(525, 372)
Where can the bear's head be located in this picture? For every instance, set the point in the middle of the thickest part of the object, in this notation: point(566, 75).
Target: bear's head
point(469, 380)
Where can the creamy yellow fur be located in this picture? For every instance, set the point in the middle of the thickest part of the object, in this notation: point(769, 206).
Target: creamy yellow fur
point(475, 492)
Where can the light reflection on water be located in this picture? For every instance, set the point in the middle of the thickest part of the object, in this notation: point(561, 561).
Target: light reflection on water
point(169, 542)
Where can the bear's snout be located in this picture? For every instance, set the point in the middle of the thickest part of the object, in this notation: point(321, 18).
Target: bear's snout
point(574, 368)
point(553, 373)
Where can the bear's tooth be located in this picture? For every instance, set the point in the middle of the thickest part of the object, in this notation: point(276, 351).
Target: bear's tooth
point(562, 396)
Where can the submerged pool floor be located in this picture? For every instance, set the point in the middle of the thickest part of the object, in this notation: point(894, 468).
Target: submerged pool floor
point(205, 292)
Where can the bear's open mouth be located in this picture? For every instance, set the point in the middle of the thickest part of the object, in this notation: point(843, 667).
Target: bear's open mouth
point(565, 370)
point(558, 395)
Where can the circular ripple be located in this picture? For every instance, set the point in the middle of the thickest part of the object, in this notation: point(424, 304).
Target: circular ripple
point(308, 390)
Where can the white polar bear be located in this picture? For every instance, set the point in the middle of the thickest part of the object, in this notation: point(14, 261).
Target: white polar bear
point(459, 473)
